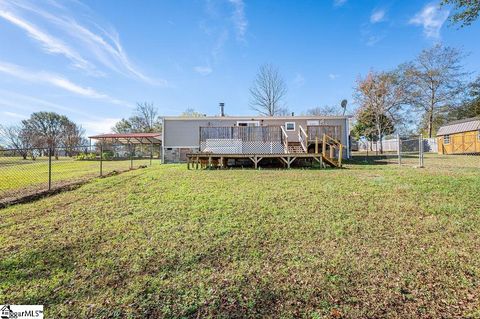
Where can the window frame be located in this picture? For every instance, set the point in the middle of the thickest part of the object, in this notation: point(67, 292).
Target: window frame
point(445, 137)
point(294, 126)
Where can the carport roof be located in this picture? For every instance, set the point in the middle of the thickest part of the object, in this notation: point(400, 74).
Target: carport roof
point(129, 138)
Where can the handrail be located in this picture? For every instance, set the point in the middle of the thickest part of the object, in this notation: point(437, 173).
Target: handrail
point(334, 145)
point(303, 139)
point(285, 137)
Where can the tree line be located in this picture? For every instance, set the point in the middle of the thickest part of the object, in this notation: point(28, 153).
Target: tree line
point(416, 97)
point(43, 131)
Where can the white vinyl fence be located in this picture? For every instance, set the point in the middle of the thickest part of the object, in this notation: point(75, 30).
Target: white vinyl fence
point(391, 145)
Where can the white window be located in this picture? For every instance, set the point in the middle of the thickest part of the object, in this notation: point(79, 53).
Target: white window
point(290, 126)
point(446, 139)
point(248, 123)
point(313, 122)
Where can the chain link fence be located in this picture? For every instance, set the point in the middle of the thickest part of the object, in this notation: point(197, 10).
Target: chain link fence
point(414, 151)
point(32, 172)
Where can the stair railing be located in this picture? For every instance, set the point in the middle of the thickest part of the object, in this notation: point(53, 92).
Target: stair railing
point(285, 139)
point(303, 138)
point(335, 153)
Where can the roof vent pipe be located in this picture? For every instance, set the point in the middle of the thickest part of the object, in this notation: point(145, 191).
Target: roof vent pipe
point(222, 109)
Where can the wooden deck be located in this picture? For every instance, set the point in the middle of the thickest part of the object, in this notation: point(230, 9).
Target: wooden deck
point(211, 160)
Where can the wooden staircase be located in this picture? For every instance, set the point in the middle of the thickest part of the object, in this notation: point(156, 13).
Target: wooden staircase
point(332, 151)
point(295, 147)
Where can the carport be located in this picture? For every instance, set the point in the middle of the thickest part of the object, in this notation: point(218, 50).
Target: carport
point(130, 140)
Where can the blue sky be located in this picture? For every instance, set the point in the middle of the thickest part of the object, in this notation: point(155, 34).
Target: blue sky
point(93, 60)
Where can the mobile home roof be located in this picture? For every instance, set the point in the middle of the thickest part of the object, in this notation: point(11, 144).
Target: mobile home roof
point(185, 118)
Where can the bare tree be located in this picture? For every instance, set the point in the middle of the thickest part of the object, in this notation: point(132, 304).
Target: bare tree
point(73, 137)
point(190, 112)
point(324, 110)
point(466, 11)
point(436, 80)
point(145, 119)
point(18, 138)
point(268, 91)
point(382, 95)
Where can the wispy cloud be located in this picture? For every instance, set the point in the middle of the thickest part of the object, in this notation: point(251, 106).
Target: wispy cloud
point(431, 18)
point(14, 115)
point(49, 43)
point(333, 76)
point(239, 18)
point(378, 15)
point(85, 42)
point(57, 81)
point(339, 3)
point(17, 101)
point(203, 70)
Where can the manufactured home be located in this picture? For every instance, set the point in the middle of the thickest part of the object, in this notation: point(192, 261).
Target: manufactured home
point(460, 137)
point(249, 136)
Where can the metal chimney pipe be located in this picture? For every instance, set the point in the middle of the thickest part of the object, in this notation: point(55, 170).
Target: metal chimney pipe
point(222, 109)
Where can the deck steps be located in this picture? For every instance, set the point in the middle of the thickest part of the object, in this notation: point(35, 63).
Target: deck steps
point(295, 149)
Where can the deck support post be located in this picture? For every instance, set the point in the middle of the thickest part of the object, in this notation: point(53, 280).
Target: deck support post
point(209, 162)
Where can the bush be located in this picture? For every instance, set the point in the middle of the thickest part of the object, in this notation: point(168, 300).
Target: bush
point(107, 155)
point(86, 156)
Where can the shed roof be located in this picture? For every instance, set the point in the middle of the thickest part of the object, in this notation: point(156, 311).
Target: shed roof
point(465, 125)
point(129, 138)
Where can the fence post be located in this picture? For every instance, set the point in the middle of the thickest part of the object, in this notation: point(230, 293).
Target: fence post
point(49, 168)
point(420, 150)
point(101, 159)
point(399, 146)
point(151, 153)
point(131, 156)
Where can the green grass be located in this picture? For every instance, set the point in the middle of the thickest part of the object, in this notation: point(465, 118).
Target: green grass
point(369, 241)
point(18, 176)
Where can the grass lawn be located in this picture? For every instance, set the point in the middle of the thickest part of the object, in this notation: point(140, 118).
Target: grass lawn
point(20, 176)
point(369, 241)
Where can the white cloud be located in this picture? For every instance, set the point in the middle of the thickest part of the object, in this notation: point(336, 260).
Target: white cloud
point(239, 18)
point(431, 18)
point(85, 43)
point(99, 126)
point(203, 70)
point(333, 76)
point(55, 80)
point(377, 16)
point(339, 3)
point(49, 43)
point(299, 80)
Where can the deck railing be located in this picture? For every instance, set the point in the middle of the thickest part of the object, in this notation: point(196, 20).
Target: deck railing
point(317, 131)
point(284, 139)
point(303, 138)
point(242, 139)
point(243, 133)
